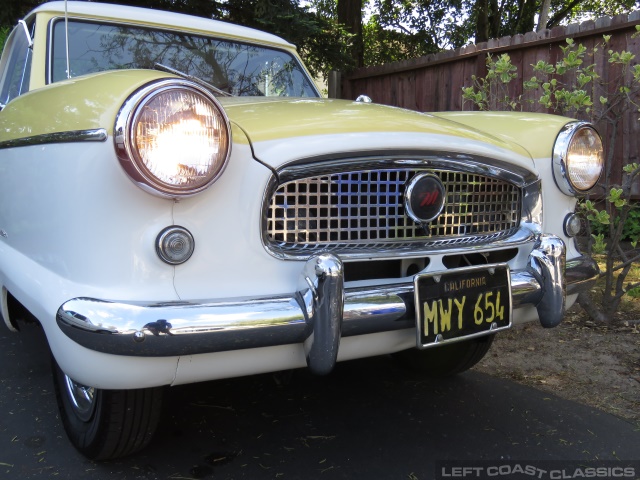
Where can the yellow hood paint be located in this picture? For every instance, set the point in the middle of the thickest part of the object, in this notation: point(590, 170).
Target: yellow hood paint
point(81, 103)
point(319, 127)
point(536, 132)
point(267, 119)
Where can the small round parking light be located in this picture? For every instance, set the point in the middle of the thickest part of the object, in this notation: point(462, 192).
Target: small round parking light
point(572, 225)
point(175, 245)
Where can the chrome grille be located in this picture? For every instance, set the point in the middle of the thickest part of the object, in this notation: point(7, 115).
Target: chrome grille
point(364, 210)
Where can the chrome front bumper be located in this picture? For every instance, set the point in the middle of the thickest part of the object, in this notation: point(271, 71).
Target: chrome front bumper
point(318, 314)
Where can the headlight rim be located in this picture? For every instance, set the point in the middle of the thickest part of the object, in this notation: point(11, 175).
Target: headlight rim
point(560, 152)
point(124, 135)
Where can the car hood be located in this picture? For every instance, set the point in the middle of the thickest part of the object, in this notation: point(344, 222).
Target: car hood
point(285, 130)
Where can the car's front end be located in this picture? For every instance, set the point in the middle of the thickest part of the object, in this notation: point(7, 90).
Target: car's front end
point(305, 247)
point(165, 231)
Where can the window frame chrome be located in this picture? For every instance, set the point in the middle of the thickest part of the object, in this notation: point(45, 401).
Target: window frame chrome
point(26, 32)
point(9, 49)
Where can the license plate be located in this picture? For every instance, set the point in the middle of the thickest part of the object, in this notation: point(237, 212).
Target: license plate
point(462, 303)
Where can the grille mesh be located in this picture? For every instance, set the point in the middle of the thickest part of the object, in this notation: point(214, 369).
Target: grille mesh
point(365, 209)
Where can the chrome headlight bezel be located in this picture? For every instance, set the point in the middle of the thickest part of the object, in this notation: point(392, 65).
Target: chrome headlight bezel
point(562, 173)
point(129, 155)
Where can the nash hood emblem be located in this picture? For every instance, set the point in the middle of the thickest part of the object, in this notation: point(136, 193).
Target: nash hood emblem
point(424, 197)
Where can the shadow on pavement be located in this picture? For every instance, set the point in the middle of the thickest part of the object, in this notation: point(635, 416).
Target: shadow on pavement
point(368, 420)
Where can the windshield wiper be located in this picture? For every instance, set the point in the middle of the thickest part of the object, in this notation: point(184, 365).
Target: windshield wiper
point(207, 85)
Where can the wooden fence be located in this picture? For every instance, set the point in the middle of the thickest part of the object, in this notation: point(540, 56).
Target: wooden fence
point(434, 83)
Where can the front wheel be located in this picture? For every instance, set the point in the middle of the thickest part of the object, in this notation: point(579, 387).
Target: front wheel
point(106, 424)
point(446, 360)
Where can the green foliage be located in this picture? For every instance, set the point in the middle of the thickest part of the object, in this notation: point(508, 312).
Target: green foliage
point(569, 87)
point(599, 245)
point(321, 42)
point(630, 228)
point(397, 30)
point(383, 45)
point(593, 214)
point(559, 96)
point(495, 19)
point(492, 91)
point(4, 33)
point(392, 29)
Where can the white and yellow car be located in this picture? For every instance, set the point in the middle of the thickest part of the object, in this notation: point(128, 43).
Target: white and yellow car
point(178, 204)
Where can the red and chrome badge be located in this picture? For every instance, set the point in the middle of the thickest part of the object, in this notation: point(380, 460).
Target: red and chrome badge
point(424, 197)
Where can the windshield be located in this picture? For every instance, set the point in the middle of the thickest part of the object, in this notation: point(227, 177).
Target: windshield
point(234, 67)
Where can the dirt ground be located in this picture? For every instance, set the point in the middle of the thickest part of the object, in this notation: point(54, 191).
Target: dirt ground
point(578, 360)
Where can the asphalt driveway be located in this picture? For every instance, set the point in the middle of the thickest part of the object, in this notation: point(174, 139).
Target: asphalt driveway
point(368, 420)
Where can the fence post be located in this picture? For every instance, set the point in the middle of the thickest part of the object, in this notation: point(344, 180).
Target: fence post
point(334, 83)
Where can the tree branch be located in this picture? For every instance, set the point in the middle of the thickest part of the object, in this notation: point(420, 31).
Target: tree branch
point(558, 17)
point(624, 292)
point(628, 262)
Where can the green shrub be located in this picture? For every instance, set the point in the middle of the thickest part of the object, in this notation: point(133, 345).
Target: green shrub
point(630, 229)
point(571, 87)
point(4, 33)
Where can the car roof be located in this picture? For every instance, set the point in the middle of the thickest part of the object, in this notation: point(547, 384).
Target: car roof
point(160, 18)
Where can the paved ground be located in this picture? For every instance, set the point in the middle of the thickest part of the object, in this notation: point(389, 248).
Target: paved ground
point(368, 420)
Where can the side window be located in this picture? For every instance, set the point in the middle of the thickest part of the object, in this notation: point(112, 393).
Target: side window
point(15, 65)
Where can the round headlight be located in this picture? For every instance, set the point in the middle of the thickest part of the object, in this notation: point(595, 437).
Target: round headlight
point(578, 158)
point(173, 138)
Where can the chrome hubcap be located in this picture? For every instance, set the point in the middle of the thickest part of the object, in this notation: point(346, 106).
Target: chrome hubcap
point(82, 399)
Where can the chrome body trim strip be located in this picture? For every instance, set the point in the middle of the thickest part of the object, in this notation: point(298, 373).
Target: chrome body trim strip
point(188, 328)
point(94, 135)
point(426, 159)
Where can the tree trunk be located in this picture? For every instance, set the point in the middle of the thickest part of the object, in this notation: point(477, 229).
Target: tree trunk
point(526, 20)
point(350, 15)
point(544, 15)
point(495, 20)
point(590, 307)
point(482, 21)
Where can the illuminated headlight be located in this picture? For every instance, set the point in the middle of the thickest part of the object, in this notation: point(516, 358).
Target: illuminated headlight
point(578, 158)
point(173, 138)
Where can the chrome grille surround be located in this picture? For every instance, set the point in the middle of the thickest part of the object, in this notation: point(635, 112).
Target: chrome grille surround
point(356, 208)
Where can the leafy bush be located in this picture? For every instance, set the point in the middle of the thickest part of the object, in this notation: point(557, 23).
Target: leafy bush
point(4, 33)
point(630, 228)
point(569, 87)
